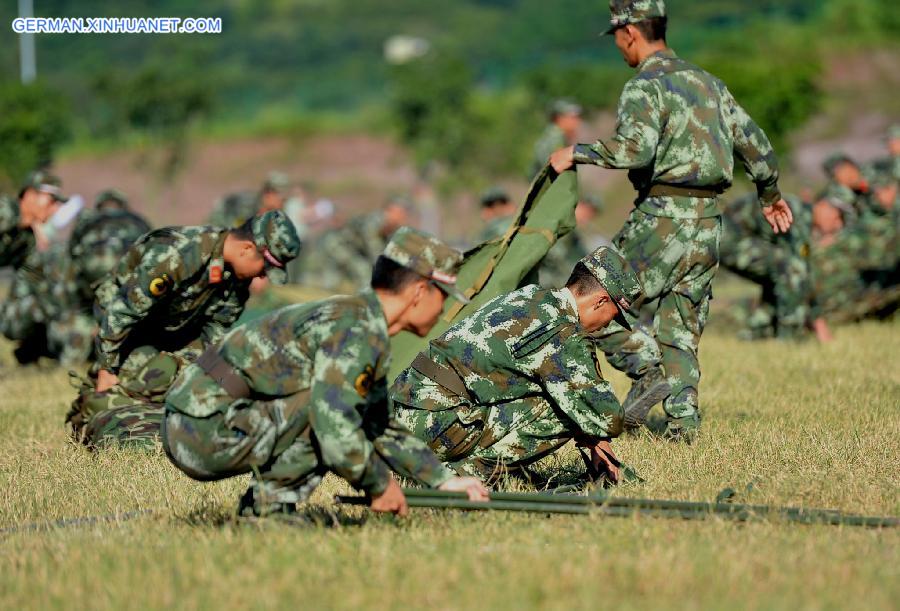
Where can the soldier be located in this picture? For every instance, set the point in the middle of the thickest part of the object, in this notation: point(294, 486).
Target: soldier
point(497, 212)
point(27, 309)
point(302, 391)
point(678, 131)
point(518, 379)
point(235, 209)
point(565, 121)
point(570, 248)
point(342, 259)
point(889, 166)
point(176, 290)
point(847, 185)
point(779, 263)
point(99, 240)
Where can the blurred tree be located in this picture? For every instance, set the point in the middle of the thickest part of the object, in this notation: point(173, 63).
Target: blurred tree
point(34, 121)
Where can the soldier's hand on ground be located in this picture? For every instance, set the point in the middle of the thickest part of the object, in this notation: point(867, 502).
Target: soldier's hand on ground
point(779, 216)
point(472, 486)
point(604, 460)
point(563, 159)
point(106, 380)
point(391, 500)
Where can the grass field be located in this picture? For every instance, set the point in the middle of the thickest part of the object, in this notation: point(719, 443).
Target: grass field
point(805, 424)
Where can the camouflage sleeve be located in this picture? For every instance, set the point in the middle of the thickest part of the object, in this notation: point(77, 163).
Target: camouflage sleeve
point(223, 314)
point(342, 359)
point(637, 132)
point(572, 378)
point(124, 302)
point(753, 150)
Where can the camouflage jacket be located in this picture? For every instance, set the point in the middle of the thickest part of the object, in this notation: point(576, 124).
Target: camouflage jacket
point(338, 350)
point(743, 219)
point(171, 280)
point(15, 242)
point(551, 140)
point(888, 166)
point(852, 203)
point(234, 209)
point(523, 344)
point(679, 125)
point(342, 259)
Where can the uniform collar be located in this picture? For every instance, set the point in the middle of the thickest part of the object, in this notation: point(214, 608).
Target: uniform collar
point(568, 299)
point(373, 305)
point(656, 58)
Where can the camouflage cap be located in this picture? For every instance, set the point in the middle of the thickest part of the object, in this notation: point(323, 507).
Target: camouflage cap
point(564, 107)
point(46, 182)
point(427, 256)
point(276, 238)
point(625, 12)
point(893, 132)
point(834, 160)
point(111, 195)
point(617, 277)
point(277, 181)
point(494, 195)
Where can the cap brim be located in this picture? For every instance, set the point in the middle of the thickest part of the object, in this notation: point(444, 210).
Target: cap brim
point(622, 319)
point(276, 275)
point(452, 291)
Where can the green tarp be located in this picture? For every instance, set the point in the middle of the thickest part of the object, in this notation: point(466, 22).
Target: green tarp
point(503, 265)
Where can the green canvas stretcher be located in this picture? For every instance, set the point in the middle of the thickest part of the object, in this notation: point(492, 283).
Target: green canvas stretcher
point(504, 264)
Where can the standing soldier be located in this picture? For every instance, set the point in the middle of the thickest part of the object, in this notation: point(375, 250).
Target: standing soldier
point(302, 391)
point(678, 131)
point(497, 213)
point(235, 209)
point(565, 121)
point(25, 313)
point(518, 379)
point(177, 290)
point(99, 240)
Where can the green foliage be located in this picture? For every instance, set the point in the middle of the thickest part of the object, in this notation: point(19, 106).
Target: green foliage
point(868, 21)
point(34, 121)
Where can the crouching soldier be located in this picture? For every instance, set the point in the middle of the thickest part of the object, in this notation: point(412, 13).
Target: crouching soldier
point(302, 391)
point(518, 379)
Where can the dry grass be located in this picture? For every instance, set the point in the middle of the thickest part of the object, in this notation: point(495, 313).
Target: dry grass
point(807, 425)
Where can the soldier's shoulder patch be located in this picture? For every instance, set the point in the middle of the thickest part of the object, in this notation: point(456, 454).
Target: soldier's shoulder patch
point(216, 271)
point(160, 285)
point(364, 381)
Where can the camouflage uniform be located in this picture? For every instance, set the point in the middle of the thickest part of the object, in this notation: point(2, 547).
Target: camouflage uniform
point(889, 166)
point(301, 392)
point(100, 239)
point(779, 263)
point(552, 138)
point(170, 296)
point(514, 381)
point(495, 228)
point(678, 131)
point(342, 258)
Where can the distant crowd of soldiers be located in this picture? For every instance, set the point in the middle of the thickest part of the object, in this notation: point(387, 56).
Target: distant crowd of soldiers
point(303, 390)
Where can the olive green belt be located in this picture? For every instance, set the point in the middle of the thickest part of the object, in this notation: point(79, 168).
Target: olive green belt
point(661, 190)
point(224, 374)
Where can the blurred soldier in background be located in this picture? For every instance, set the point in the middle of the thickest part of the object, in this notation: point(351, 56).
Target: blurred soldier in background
point(846, 185)
point(571, 248)
point(28, 307)
point(889, 165)
point(565, 121)
point(497, 212)
point(341, 259)
point(99, 240)
point(235, 209)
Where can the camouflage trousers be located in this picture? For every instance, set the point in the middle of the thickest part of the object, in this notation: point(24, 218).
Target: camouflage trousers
point(71, 337)
point(675, 261)
point(272, 439)
point(130, 413)
point(488, 441)
point(784, 277)
point(26, 313)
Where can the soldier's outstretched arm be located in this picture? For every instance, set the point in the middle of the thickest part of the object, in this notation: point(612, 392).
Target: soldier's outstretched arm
point(340, 373)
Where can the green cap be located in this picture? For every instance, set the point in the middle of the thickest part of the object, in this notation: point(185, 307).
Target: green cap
point(893, 132)
point(277, 181)
point(617, 277)
point(427, 256)
point(276, 238)
point(564, 107)
point(625, 12)
point(46, 182)
point(834, 160)
point(111, 195)
point(494, 195)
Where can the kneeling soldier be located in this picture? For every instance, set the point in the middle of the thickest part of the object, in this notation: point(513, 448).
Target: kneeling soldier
point(302, 391)
point(518, 379)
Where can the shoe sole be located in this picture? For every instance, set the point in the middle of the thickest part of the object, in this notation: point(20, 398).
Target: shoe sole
point(636, 414)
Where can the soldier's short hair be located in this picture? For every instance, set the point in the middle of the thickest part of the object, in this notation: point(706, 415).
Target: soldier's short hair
point(582, 281)
point(653, 29)
point(243, 231)
point(388, 275)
